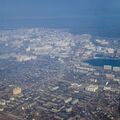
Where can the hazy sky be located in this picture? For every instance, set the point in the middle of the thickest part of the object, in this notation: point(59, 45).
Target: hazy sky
point(38, 9)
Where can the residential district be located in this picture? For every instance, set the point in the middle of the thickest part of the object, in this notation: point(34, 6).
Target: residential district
point(44, 76)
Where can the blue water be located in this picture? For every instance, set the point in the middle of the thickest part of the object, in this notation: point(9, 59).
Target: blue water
point(96, 17)
point(90, 25)
point(102, 62)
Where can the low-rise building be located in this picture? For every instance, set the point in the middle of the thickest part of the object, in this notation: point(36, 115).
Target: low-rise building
point(92, 88)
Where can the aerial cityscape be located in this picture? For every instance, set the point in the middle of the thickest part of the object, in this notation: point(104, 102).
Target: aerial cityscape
point(48, 74)
point(59, 59)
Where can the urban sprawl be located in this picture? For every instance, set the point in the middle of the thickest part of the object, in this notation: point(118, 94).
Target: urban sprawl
point(44, 76)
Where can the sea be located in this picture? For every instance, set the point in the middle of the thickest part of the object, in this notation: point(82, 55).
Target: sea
point(102, 26)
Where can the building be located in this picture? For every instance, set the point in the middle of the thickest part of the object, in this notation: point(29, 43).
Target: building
point(107, 67)
point(116, 69)
point(110, 76)
point(17, 91)
point(110, 50)
point(68, 100)
point(92, 88)
point(1, 108)
point(69, 109)
point(107, 88)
